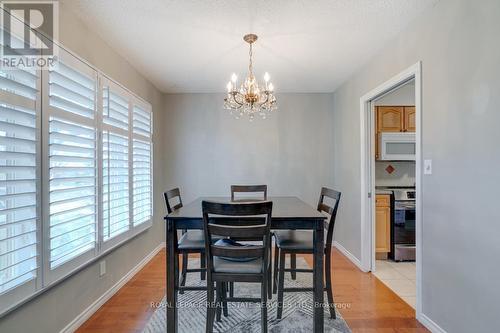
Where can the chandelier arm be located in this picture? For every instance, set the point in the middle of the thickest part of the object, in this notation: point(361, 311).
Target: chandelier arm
point(264, 102)
point(232, 103)
point(240, 104)
point(242, 99)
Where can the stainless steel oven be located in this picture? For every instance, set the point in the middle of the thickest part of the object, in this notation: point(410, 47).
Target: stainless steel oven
point(403, 225)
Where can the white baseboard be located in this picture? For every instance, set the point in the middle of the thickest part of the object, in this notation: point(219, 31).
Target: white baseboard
point(430, 324)
point(88, 312)
point(349, 255)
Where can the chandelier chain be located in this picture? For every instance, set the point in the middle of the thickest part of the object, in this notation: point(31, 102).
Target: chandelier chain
point(250, 65)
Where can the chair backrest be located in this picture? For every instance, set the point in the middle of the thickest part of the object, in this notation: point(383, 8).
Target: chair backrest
point(237, 220)
point(248, 189)
point(332, 211)
point(169, 195)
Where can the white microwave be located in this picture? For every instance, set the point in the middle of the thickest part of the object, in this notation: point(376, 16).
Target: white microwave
point(397, 146)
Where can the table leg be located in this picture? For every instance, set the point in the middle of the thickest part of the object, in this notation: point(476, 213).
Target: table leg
point(318, 257)
point(171, 292)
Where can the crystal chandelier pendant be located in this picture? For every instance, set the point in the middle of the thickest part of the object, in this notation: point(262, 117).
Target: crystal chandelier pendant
point(250, 99)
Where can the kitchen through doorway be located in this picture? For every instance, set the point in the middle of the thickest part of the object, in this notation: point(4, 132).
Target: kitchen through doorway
point(391, 184)
point(395, 190)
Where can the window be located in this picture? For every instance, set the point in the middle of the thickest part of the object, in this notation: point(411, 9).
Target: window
point(19, 185)
point(72, 165)
point(75, 173)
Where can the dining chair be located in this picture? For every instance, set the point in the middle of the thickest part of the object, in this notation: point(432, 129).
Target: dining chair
point(248, 189)
point(301, 242)
point(244, 263)
point(191, 241)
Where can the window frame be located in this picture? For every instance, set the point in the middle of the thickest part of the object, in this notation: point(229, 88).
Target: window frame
point(132, 100)
point(53, 275)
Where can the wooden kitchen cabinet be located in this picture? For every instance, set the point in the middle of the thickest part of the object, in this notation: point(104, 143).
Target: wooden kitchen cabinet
point(390, 118)
point(409, 122)
point(382, 223)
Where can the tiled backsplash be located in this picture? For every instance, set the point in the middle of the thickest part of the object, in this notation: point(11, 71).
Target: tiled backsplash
point(403, 173)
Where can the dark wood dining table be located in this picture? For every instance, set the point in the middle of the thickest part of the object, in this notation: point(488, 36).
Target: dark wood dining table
point(288, 213)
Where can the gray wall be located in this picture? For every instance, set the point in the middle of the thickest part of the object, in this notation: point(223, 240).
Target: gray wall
point(457, 41)
point(54, 309)
point(208, 150)
point(404, 95)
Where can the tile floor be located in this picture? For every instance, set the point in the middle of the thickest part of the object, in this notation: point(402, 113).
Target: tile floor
point(400, 277)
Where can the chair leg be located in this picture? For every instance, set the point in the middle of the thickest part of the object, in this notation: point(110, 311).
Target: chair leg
point(185, 258)
point(275, 270)
point(231, 289)
point(176, 270)
point(263, 303)
point(203, 264)
point(269, 282)
point(293, 265)
point(329, 291)
point(218, 298)
point(224, 301)
point(210, 306)
point(281, 284)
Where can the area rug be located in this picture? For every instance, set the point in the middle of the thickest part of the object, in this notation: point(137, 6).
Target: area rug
point(245, 317)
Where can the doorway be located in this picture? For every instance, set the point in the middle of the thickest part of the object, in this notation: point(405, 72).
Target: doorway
point(372, 144)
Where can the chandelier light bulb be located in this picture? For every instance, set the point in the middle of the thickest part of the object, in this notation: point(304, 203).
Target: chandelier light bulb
point(229, 87)
point(266, 77)
point(234, 78)
point(271, 87)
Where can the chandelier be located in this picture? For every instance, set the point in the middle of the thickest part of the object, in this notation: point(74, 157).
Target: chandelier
point(250, 99)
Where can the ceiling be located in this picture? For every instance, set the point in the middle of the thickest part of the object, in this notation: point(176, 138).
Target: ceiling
point(195, 45)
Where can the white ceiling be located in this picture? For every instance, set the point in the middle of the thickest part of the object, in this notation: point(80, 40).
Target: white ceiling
point(195, 45)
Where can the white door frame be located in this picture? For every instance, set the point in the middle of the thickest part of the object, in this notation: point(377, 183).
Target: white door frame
point(367, 122)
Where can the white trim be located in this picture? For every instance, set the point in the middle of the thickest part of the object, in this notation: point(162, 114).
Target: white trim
point(368, 183)
point(430, 324)
point(88, 312)
point(349, 255)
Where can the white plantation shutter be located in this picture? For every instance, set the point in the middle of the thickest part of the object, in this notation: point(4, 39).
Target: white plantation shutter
point(75, 173)
point(142, 121)
point(116, 185)
point(142, 166)
point(72, 166)
point(115, 111)
point(116, 162)
point(72, 91)
point(19, 185)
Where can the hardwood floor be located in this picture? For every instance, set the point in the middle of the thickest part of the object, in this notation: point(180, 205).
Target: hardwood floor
point(130, 308)
point(366, 303)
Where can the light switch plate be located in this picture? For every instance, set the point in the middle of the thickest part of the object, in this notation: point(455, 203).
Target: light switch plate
point(102, 268)
point(427, 167)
